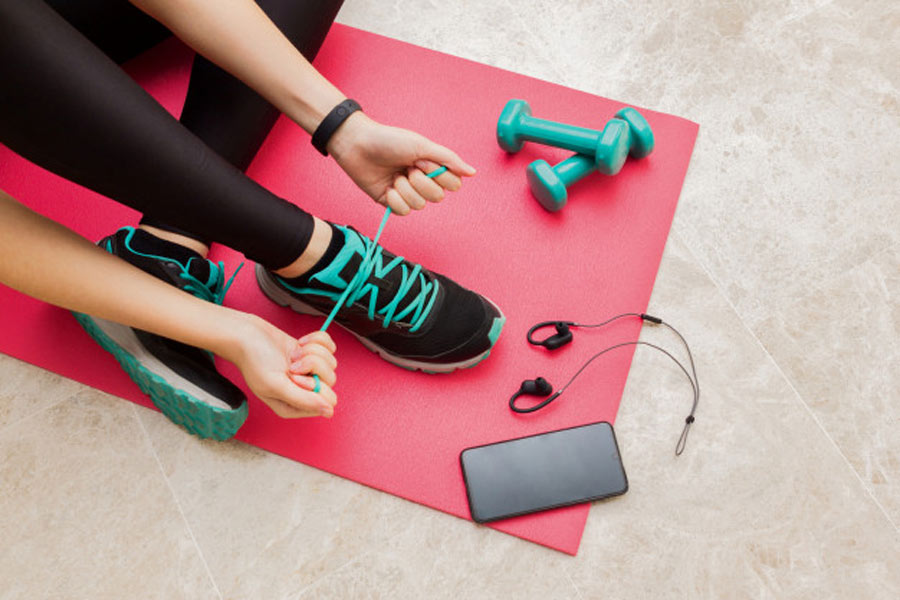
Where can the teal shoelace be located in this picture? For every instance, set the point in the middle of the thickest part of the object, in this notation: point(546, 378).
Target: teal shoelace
point(365, 267)
point(355, 289)
point(417, 309)
point(213, 290)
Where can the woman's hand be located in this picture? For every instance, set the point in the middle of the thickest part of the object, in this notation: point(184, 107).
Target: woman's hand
point(45, 260)
point(278, 369)
point(390, 164)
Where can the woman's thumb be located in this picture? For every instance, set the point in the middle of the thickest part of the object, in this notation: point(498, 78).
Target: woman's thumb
point(448, 158)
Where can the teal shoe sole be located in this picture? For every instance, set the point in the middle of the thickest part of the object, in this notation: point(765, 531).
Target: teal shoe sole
point(180, 407)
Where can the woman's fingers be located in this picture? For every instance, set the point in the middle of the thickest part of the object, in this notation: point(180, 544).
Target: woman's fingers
point(315, 350)
point(415, 189)
point(448, 180)
point(393, 199)
point(412, 198)
point(319, 337)
point(322, 352)
point(288, 411)
point(314, 365)
point(295, 398)
point(427, 188)
point(325, 395)
point(447, 157)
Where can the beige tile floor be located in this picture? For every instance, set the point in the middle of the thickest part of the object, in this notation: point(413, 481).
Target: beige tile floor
point(783, 269)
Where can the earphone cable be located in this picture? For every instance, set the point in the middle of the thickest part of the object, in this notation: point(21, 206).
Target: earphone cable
point(606, 322)
point(694, 381)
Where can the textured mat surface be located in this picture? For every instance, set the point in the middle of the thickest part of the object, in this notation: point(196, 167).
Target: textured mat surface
point(395, 430)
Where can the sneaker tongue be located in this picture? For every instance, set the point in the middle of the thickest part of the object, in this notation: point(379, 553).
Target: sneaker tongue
point(340, 272)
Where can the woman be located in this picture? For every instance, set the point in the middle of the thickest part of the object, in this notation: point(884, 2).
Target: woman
point(67, 106)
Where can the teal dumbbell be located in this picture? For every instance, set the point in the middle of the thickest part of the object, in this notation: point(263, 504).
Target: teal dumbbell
point(549, 184)
point(642, 141)
point(609, 147)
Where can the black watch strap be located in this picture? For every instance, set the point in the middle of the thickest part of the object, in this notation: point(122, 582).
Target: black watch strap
point(331, 122)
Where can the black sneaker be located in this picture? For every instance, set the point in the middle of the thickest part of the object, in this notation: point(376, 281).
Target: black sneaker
point(181, 380)
point(411, 317)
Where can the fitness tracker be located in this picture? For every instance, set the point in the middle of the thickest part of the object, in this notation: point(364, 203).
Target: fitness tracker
point(331, 122)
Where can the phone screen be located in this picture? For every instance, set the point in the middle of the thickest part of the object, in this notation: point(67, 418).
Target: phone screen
point(543, 471)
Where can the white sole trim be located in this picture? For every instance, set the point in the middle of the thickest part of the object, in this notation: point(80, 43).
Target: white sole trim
point(126, 339)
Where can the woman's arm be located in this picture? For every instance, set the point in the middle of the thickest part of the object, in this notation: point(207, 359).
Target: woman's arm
point(386, 162)
point(47, 261)
point(239, 37)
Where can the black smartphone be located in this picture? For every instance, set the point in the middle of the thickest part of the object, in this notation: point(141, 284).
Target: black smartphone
point(543, 471)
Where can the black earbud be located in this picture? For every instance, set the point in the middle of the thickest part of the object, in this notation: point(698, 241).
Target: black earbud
point(563, 335)
point(536, 387)
point(533, 387)
point(559, 339)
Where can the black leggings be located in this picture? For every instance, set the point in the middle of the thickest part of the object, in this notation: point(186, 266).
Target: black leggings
point(66, 106)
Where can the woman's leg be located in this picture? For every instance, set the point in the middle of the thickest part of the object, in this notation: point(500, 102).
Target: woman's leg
point(117, 27)
point(68, 107)
point(234, 120)
point(228, 116)
point(221, 110)
point(231, 118)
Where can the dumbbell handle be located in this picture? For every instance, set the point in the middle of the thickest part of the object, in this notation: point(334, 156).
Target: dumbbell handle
point(574, 168)
point(570, 137)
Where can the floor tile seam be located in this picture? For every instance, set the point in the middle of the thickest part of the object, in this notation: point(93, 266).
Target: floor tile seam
point(41, 410)
point(149, 442)
point(565, 570)
point(355, 558)
point(330, 573)
point(797, 396)
point(811, 289)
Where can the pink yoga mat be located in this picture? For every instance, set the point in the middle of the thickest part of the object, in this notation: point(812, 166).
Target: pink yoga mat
point(398, 431)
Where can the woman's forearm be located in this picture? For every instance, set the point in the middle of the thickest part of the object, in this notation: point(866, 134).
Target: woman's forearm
point(239, 37)
point(47, 261)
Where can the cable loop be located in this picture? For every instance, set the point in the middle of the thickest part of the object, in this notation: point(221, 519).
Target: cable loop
point(515, 408)
point(563, 336)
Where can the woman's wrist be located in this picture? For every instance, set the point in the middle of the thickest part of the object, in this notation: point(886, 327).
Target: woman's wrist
point(308, 107)
point(233, 329)
point(349, 134)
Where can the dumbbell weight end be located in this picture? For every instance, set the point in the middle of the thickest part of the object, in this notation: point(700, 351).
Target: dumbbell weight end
point(612, 149)
point(549, 184)
point(642, 141)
